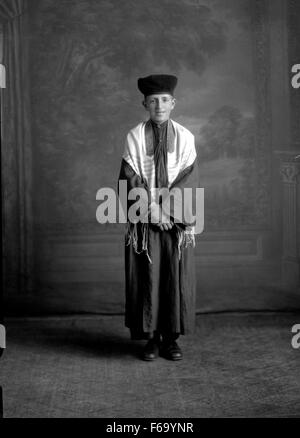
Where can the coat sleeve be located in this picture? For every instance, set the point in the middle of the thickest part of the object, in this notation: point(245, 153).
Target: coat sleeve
point(133, 180)
point(181, 201)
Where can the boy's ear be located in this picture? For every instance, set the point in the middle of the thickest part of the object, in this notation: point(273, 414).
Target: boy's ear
point(144, 104)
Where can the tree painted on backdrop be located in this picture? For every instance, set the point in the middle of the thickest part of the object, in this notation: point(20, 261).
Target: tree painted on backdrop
point(86, 57)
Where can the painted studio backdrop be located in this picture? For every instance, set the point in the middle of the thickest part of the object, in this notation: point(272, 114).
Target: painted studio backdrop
point(77, 75)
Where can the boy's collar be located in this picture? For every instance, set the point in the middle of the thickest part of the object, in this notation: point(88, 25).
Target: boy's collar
point(160, 125)
point(150, 140)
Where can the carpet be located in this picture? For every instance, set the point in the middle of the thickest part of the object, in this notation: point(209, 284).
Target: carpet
point(235, 365)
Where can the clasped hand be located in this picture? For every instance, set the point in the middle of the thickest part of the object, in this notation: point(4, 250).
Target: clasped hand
point(161, 220)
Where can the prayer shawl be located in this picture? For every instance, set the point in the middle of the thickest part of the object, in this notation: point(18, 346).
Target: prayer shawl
point(159, 265)
point(182, 173)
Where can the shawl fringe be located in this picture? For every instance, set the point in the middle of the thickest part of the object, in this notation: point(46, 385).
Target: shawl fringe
point(184, 238)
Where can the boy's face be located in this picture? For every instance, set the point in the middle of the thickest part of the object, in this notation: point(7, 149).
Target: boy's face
point(159, 106)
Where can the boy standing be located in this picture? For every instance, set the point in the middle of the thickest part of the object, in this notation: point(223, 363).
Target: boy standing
point(159, 254)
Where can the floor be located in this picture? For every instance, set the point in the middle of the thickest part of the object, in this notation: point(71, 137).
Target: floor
point(236, 365)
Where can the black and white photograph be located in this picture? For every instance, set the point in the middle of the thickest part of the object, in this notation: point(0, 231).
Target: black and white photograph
point(150, 201)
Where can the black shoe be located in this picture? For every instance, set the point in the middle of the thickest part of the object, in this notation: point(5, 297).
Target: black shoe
point(171, 350)
point(151, 350)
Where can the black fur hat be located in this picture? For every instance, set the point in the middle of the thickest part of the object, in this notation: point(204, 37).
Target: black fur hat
point(157, 84)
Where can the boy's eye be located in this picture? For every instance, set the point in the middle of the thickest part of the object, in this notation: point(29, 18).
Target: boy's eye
point(164, 100)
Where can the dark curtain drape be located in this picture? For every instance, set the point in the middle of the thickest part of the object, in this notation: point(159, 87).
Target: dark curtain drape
point(16, 150)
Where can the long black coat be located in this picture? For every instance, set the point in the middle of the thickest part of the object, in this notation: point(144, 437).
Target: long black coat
point(159, 295)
